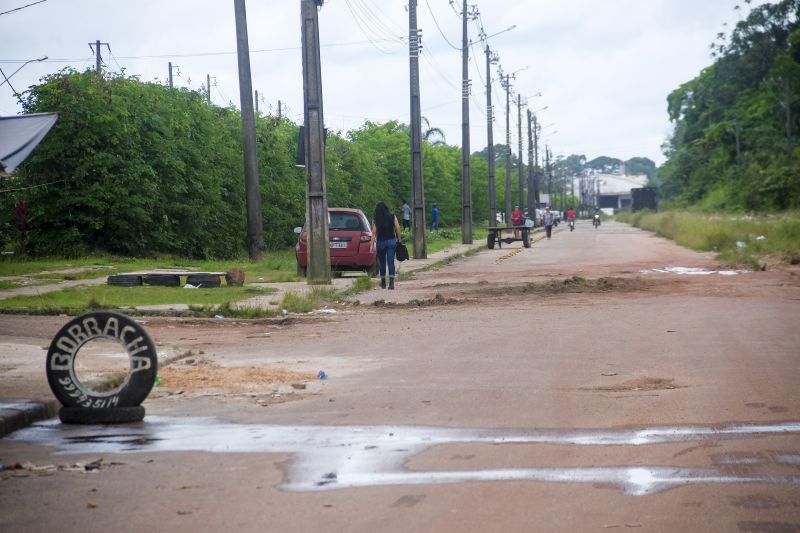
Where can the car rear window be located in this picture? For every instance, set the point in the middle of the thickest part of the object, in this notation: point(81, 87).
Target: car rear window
point(346, 221)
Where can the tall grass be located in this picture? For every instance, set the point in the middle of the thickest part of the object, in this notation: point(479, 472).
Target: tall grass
point(737, 239)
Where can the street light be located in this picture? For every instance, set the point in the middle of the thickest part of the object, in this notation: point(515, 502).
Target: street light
point(8, 78)
point(485, 37)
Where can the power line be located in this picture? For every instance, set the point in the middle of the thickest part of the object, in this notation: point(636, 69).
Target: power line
point(436, 22)
point(389, 30)
point(197, 54)
point(32, 186)
point(23, 7)
point(368, 28)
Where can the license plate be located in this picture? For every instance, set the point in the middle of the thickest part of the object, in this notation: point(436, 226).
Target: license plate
point(338, 245)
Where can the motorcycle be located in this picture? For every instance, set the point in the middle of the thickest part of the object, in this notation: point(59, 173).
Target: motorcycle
point(571, 224)
point(596, 221)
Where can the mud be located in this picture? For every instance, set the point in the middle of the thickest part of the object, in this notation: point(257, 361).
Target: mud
point(638, 384)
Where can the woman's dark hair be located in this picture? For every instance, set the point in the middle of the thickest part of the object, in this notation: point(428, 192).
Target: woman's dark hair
point(381, 212)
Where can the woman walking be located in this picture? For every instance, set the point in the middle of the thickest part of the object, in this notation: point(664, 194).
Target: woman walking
point(386, 233)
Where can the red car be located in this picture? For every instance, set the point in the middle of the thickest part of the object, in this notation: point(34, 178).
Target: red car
point(350, 239)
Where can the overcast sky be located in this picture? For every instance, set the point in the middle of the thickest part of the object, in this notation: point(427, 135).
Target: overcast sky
point(604, 69)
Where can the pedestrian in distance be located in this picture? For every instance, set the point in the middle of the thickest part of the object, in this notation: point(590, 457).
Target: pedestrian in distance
point(516, 220)
point(385, 236)
point(406, 215)
point(547, 219)
point(435, 218)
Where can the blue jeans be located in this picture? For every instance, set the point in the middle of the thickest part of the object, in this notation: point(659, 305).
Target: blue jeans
point(386, 251)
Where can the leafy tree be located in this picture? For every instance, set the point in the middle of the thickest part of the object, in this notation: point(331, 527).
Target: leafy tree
point(733, 144)
point(636, 166)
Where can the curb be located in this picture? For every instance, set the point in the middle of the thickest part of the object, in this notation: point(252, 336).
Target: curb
point(17, 414)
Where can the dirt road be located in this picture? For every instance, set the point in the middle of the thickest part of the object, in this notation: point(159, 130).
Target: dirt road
point(588, 383)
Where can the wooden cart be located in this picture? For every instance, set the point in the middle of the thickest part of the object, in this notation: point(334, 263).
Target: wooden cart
point(496, 236)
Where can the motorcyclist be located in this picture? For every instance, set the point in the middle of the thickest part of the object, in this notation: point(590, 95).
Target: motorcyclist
point(596, 218)
point(571, 218)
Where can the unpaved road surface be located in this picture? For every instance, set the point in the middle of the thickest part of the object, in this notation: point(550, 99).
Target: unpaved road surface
point(579, 385)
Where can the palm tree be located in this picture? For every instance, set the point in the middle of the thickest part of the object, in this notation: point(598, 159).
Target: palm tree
point(433, 136)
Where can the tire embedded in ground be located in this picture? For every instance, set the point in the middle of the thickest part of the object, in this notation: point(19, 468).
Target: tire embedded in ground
point(124, 280)
point(113, 415)
point(162, 280)
point(203, 280)
point(75, 334)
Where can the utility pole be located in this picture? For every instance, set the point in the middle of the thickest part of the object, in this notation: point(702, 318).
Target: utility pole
point(319, 260)
point(521, 195)
point(466, 187)
point(490, 140)
point(96, 50)
point(507, 87)
point(417, 182)
point(255, 232)
point(548, 175)
point(256, 101)
point(531, 170)
point(170, 75)
point(279, 109)
point(536, 184)
point(208, 88)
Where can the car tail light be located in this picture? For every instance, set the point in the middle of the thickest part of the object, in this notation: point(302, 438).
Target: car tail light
point(366, 237)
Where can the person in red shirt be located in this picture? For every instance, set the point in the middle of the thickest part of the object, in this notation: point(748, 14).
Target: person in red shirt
point(571, 219)
point(516, 220)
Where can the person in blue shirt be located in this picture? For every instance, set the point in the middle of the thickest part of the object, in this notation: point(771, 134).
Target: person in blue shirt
point(435, 218)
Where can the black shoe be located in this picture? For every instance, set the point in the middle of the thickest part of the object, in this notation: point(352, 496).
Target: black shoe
point(383, 283)
point(391, 284)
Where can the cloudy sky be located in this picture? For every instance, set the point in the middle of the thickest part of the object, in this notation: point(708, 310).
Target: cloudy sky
point(603, 70)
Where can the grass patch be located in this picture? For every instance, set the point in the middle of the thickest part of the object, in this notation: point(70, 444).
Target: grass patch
point(736, 239)
point(276, 266)
point(77, 300)
point(444, 238)
point(5, 285)
point(296, 303)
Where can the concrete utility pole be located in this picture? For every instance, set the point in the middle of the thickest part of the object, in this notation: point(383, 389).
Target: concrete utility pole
point(255, 232)
point(208, 88)
point(521, 195)
point(417, 183)
point(548, 175)
point(96, 50)
point(490, 140)
point(507, 87)
point(536, 160)
point(466, 187)
point(256, 100)
point(279, 110)
point(170, 75)
point(319, 259)
point(531, 169)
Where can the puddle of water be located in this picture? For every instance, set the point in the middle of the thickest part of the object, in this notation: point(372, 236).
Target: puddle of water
point(336, 457)
point(688, 271)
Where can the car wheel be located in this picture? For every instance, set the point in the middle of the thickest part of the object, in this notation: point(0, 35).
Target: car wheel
point(75, 334)
point(113, 415)
point(373, 270)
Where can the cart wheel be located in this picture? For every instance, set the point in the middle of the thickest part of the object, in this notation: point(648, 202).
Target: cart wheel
point(490, 241)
